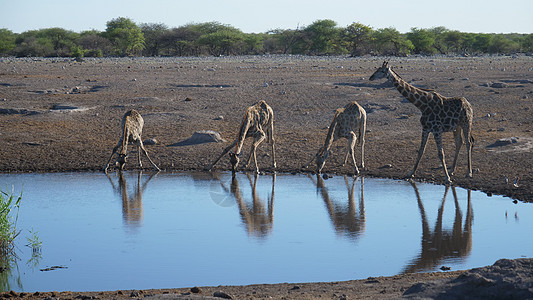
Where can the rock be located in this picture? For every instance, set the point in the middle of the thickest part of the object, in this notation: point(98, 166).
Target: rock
point(219, 118)
point(499, 85)
point(151, 141)
point(506, 279)
point(64, 107)
point(17, 111)
point(503, 142)
point(222, 295)
point(201, 137)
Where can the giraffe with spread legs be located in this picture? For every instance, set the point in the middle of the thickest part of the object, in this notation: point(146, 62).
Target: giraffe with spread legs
point(348, 122)
point(439, 114)
point(258, 123)
point(132, 127)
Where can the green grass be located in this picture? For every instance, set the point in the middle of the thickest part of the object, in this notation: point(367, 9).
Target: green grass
point(9, 208)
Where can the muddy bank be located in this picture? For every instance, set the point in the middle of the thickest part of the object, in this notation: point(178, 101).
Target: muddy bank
point(61, 115)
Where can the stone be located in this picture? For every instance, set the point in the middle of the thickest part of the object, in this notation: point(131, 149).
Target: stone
point(499, 85)
point(201, 137)
point(151, 141)
point(504, 142)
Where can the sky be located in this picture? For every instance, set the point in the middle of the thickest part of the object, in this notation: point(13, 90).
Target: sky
point(251, 16)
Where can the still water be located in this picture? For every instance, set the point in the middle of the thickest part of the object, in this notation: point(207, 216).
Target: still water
point(140, 231)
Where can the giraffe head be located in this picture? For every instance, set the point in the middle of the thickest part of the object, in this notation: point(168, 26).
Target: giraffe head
point(234, 159)
point(121, 161)
point(381, 72)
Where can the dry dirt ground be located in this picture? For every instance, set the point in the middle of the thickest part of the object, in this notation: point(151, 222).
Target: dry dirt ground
point(62, 115)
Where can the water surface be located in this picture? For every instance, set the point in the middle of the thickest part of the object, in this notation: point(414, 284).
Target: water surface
point(167, 230)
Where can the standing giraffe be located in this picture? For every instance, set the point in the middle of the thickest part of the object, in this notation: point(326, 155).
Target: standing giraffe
point(348, 122)
point(132, 127)
point(439, 114)
point(258, 122)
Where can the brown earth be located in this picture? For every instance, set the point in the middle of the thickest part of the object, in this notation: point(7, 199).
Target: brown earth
point(61, 115)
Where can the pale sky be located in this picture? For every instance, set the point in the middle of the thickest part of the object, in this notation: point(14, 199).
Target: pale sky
point(251, 16)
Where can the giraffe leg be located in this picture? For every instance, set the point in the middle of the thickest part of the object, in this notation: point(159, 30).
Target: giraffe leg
point(440, 152)
point(254, 147)
point(272, 143)
point(421, 150)
point(249, 160)
point(141, 146)
point(112, 153)
point(348, 149)
point(208, 168)
point(353, 141)
point(362, 142)
point(458, 143)
point(469, 140)
point(139, 162)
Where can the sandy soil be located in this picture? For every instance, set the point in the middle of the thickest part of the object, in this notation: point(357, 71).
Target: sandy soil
point(61, 115)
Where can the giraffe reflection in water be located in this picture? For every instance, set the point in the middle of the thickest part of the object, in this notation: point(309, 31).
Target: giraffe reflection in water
point(257, 218)
point(442, 244)
point(347, 220)
point(132, 204)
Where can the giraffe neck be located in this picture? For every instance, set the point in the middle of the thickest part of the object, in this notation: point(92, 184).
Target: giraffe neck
point(330, 137)
point(243, 130)
point(418, 97)
point(125, 136)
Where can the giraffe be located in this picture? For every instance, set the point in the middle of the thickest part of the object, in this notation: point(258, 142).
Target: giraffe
point(132, 127)
point(258, 122)
point(132, 205)
point(439, 114)
point(348, 122)
point(443, 243)
point(348, 220)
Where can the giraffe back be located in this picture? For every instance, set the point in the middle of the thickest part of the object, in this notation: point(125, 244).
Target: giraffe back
point(257, 118)
point(351, 117)
point(132, 126)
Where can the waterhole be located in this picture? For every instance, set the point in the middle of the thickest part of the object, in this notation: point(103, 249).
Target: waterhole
point(170, 230)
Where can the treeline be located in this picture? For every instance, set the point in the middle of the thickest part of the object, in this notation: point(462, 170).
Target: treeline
point(123, 37)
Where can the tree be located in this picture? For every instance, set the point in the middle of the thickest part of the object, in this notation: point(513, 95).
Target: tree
point(181, 41)
point(45, 42)
point(153, 37)
point(62, 40)
point(454, 41)
point(283, 40)
point(439, 33)
point(7, 41)
point(526, 43)
point(222, 42)
point(29, 43)
point(482, 42)
point(126, 37)
point(254, 43)
point(322, 37)
point(389, 41)
point(94, 44)
point(423, 40)
point(358, 38)
point(501, 44)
